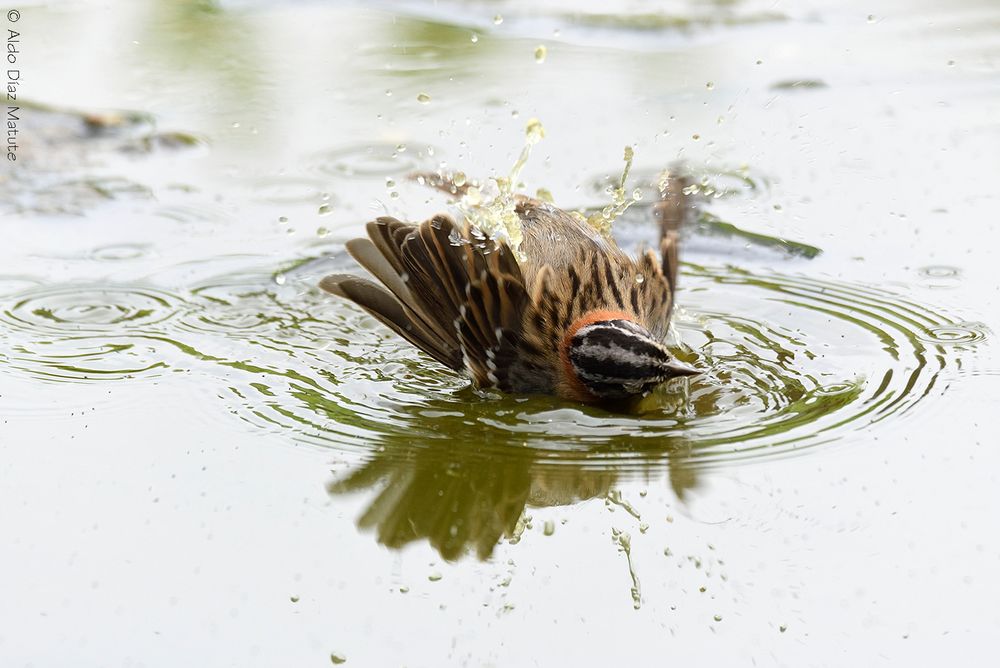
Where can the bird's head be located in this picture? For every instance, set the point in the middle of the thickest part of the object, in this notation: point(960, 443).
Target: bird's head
point(613, 358)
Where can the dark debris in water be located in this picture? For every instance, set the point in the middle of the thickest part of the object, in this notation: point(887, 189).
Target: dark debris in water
point(657, 21)
point(700, 235)
point(799, 84)
point(710, 225)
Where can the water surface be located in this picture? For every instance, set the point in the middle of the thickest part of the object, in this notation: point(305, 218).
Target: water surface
point(204, 455)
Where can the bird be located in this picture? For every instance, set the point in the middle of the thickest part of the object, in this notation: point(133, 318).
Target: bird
point(568, 314)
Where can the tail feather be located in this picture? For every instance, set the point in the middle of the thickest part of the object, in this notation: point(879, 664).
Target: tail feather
point(671, 212)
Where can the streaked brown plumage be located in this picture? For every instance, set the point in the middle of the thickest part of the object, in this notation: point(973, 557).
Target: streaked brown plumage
point(578, 317)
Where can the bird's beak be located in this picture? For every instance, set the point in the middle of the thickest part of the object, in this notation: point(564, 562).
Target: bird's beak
point(675, 368)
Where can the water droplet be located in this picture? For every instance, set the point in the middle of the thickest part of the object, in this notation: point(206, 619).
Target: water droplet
point(325, 209)
point(540, 54)
point(473, 197)
point(696, 136)
point(871, 18)
point(710, 85)
point(497, 20)
point(280, 279)
point(639, 278)
point(282, 219)
point(293, 599)
point(388, 92)
point(717, 618)
point(389, 183)
point(549, 528)
point(394, 195)
point(782, 628)
point(337, 658)
point(236, 125)
point(474, 38)
point(434, 577)
point(400, 148)
point(322, 232)
point(637, 194)
point(423, 98)
point(459, 179)
point(534, 131)
point(404, 590)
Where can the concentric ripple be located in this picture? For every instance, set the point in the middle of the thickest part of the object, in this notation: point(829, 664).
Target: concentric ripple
point(374, 159)
point(955, 334)
point(86, 333)
point(287, 190)
point(72, 309)
point(790, 363)
point(119, 252)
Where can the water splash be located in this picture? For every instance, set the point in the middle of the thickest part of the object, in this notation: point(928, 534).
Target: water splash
point(497, 217)
point(624, 542)
point(603, 220)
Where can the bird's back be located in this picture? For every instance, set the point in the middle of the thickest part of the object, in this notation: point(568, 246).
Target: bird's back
point(586, 271)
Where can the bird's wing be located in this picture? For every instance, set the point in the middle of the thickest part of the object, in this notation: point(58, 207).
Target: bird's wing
point(457, 298)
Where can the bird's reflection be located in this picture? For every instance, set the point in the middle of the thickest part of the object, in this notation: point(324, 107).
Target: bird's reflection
point(463, 498)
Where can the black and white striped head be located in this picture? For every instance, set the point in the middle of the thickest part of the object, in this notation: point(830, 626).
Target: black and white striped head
point(618, 359)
